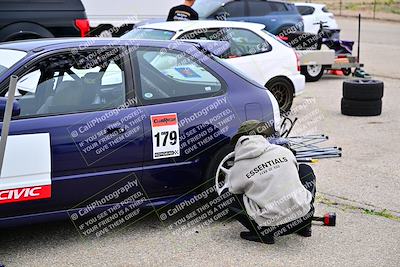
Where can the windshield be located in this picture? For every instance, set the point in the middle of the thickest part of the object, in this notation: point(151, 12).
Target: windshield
point(205, 7)
point(151, 34)
point(8, 58)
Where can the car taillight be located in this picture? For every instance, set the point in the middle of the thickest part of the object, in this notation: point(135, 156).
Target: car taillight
point(83, 26)
point(297, 60)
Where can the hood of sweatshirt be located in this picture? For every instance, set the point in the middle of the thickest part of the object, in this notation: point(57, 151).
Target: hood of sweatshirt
point(250, 146)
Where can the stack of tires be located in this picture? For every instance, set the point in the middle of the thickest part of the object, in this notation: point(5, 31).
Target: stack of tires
point(362, 97)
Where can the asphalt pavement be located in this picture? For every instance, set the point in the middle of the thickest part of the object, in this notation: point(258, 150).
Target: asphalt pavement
point(362, 187)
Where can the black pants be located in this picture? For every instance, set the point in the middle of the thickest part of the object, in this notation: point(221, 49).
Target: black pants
point(238, 210)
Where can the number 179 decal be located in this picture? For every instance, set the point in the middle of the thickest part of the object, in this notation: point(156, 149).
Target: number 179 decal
point(165, 131)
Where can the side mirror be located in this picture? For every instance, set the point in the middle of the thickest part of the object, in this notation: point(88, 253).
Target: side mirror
point(16, 110)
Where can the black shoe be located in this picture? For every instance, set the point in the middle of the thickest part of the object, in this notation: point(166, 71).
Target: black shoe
point(306, 231)
point(251, 236)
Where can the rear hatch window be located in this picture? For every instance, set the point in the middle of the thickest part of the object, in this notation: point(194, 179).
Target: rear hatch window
point(151, 34)
point(325, 9)
point(305, 10)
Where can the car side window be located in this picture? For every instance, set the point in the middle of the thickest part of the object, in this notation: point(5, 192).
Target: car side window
point(277, 7)
point(305, 10)
point(67, 83)
point(244, 42)
point(112, 73)
point(174, 76)
point(214, 34)
point(231, 9)
point(198, 35)
point(259, 8)
point(29, 82)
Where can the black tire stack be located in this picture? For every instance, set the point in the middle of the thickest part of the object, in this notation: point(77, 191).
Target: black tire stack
point(362, 97)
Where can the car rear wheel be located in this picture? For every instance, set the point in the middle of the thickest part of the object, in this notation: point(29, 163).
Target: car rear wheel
point(213, 167)
point(312, 72)
point(282, 90)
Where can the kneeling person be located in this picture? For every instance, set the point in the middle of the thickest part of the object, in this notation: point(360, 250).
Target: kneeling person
point(275, 194)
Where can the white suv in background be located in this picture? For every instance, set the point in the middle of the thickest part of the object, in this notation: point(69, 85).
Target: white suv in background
point(314, 13)
point(255, 52)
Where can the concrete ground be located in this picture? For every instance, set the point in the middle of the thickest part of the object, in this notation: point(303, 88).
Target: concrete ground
point(380, 44)
point(362, 187)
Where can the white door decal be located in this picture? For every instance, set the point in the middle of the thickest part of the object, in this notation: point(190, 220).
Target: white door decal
point(26, 171)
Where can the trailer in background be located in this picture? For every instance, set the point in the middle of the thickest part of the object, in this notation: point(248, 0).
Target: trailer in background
point(313, 63)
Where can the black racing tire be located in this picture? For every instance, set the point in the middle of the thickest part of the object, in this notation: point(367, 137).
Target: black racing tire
point(209, 182)
point(362, 89)
point(209, 179)
point(312, 72)
point(22, 31)
point(361, 108)
point(283, 91)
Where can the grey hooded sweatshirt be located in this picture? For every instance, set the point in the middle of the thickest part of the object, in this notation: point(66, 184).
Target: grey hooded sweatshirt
point(267, 176)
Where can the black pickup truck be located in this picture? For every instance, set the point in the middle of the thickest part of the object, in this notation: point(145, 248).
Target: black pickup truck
point(31, 19)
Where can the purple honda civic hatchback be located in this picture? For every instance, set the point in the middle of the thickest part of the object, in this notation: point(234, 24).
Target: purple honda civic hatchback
point(104, 122)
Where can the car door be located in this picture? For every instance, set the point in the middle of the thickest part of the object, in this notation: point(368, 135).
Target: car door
point(259, 13)
point(84, 102)
point(188, 115)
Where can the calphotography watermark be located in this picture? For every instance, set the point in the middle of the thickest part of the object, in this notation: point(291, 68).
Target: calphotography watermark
point(207, 126)
point(97, 136)
point(110, 209)
point(197, 212)
point(309, 118)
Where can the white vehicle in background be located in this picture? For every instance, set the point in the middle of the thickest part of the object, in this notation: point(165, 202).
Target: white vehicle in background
point(255, 52)
point(116, 17)
point(314, 13)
